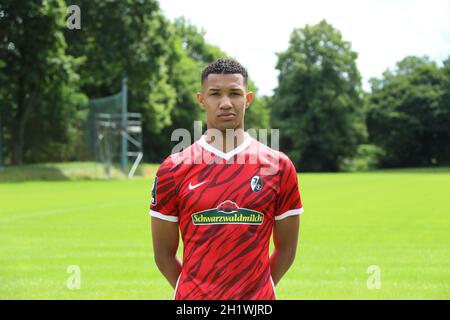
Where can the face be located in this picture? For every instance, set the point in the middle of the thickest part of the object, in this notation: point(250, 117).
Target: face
point(225, 99)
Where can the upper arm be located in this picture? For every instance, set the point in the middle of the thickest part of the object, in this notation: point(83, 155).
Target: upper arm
point(288, 209)
point(164, 211)
point(285, 233)
point(289, 202)
point(165, 236)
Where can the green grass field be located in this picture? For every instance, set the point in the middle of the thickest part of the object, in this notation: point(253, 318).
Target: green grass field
point(396, 220)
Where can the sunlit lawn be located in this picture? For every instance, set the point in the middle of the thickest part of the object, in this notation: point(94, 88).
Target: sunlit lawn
point(397, 221)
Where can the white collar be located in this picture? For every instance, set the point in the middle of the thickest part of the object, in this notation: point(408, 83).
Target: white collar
point(228, 155)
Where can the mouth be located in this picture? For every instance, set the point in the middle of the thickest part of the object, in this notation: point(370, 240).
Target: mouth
point(227, 116)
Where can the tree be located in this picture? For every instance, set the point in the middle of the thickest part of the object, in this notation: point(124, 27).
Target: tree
point(318, 102)
point(40, 90)
point(133, 39)
point(409, 115)
point(443, 117)
point(48, 71)
point(257, 115)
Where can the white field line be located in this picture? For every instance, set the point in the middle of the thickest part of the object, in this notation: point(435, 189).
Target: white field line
point(45, 213)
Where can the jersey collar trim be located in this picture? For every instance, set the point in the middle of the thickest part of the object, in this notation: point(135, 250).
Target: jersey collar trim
point(226, 155)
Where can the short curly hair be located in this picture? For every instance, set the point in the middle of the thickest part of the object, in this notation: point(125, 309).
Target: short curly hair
point(224, 66)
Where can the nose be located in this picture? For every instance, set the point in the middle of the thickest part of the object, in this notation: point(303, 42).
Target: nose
point(225, 103)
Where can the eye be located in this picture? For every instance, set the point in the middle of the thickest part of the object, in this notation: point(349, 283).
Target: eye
point(214, 93)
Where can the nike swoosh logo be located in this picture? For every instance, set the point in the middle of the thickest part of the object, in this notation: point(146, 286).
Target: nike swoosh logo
point(192, 187)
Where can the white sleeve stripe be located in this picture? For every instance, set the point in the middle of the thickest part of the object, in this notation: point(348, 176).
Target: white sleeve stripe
point(163, 216)
point(289, 213)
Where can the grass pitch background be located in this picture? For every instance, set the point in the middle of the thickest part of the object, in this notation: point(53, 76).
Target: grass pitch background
point(397, 220)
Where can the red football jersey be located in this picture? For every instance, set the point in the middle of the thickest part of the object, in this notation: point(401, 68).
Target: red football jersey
point(226, 205)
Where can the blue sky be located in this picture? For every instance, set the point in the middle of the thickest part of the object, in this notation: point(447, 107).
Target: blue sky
point(381, 31)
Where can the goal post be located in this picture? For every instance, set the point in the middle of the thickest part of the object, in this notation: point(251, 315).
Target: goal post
point(124, 148)
point(114, 134)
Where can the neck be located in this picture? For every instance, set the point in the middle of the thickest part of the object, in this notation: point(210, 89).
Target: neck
point(225, 140)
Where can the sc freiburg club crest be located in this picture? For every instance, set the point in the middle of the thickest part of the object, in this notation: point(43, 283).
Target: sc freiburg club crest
point(256, 184)
point(228, 212)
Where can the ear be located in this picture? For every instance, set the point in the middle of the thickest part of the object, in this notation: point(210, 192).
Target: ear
point(200, 99)
point(249, 99)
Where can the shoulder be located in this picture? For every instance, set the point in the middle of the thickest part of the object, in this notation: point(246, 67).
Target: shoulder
point(266, 150)
point(273, 158)
point(167, 165)
point(177, 161)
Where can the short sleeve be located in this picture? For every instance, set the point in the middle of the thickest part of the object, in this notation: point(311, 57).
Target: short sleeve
point(164, 203)
point(289, 202)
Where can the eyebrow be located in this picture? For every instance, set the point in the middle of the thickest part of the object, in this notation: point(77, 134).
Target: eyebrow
point(231, 89)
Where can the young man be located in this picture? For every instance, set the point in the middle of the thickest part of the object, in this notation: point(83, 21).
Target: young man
point(225, 194)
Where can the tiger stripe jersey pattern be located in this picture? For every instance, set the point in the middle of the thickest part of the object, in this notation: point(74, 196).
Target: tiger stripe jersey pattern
point(226, 205)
